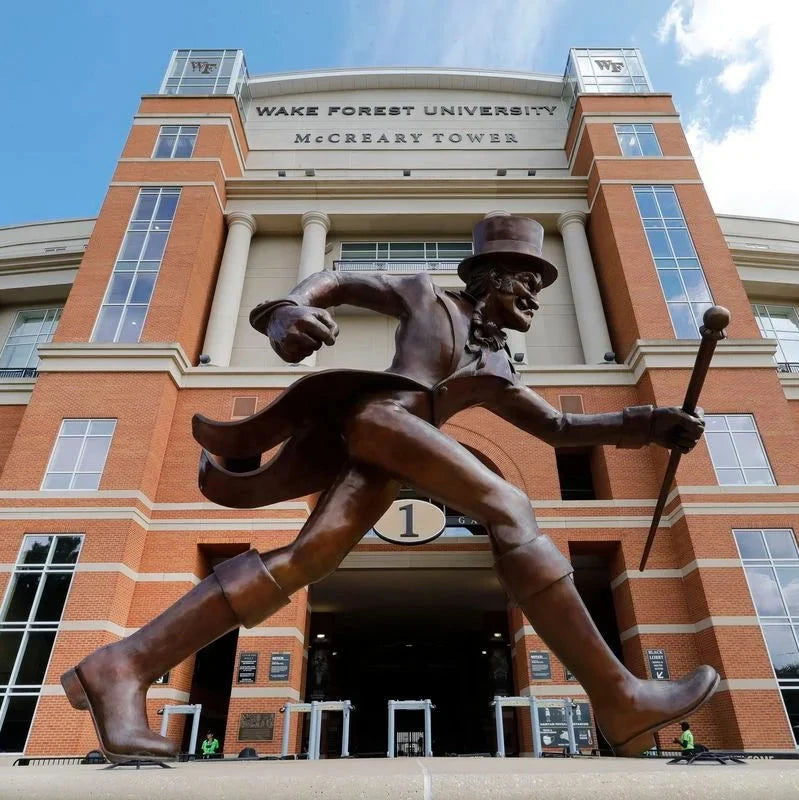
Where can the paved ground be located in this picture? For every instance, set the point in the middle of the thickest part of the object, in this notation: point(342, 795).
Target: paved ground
point(410, 779)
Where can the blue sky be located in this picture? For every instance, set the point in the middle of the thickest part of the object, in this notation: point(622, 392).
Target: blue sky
point(78, 69)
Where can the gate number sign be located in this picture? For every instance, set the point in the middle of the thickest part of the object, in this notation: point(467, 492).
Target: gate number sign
point(411, 522)
point(658, 665)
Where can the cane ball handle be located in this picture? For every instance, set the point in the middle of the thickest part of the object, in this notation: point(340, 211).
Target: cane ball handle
point(716, 318)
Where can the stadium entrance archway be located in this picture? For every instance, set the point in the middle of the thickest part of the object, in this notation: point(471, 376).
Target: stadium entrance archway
point(411, 634)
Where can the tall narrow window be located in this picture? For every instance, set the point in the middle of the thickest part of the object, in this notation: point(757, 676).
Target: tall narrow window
point(638, 140)
point(32, 327)
point(79, 455)
point(780, 323)
point(176, 141)
point(29, 618)
point(771, 563)
point(736, 451)
point(681, 276)
point(127, 298)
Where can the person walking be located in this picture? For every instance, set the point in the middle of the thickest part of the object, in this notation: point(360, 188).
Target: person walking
point(686, 741)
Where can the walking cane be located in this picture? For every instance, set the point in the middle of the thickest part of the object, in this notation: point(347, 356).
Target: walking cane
point(715, 320)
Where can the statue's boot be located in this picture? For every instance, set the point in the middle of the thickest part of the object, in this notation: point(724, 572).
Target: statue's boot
point(628, 710)
point(111, 683)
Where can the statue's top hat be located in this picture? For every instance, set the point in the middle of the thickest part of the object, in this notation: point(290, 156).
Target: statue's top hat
point(512, 243)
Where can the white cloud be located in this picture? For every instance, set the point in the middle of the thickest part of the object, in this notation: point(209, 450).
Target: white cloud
point(747, 167)
point(451, 33)
point(735, 76)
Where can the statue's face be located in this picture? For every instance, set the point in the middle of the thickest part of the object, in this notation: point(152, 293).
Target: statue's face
point(513, 299)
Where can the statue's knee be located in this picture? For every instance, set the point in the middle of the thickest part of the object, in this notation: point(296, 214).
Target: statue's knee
point(513, 520)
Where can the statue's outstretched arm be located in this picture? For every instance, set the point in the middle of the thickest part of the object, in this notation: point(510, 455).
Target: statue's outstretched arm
point(632, 427)
point(299, 324)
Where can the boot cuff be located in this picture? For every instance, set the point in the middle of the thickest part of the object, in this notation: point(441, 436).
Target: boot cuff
point(251, 591)
point(531, 567)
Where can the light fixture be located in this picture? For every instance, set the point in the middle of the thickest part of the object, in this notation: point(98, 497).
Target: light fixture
point(502, 173)
point(205, 359)
point(310, 172)
point(281, 173)
point(530, 173)
point(335, 652)
point(408, 645)
point(497, 635)
point(482, 652)
point(320, 636)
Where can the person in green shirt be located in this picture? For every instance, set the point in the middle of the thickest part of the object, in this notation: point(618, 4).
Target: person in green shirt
point(686, 740)
point(210, 745)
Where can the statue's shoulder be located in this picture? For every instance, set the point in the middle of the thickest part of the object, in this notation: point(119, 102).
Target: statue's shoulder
point(416, 288)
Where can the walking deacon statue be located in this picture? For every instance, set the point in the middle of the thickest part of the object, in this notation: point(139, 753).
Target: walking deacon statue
point(357, 437)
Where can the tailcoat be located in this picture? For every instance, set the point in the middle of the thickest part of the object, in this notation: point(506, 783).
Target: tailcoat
point(433, 357)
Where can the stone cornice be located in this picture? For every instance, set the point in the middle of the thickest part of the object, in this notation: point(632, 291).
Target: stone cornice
point(777, 259)
point(790, 385)
point(16, 391)
point(170, 358)
point(108, 357)
point(50, 262)
point(681, 354)
point(314, 188)
point(576, 375)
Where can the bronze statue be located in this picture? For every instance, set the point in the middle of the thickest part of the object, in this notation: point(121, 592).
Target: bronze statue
point(357, 437)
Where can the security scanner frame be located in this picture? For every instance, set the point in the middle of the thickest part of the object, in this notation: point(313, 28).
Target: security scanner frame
point(410, 705)
point(193, 708)
point(532, 703)
point(315, 709)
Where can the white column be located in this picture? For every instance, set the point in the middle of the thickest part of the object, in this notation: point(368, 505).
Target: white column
point(517, 340)
point(315, 225)
point(224, 314)
point(585, 290)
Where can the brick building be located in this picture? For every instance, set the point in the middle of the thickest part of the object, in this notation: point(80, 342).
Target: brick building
point(229, 189)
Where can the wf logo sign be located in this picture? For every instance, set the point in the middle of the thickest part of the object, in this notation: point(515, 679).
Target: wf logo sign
point(607, 64)
point(205, 67)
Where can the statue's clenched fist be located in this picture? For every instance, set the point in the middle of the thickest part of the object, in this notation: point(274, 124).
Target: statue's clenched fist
point(296, 332)
point(673, 428)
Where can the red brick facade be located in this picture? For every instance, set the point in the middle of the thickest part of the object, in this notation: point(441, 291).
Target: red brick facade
point(140, 554)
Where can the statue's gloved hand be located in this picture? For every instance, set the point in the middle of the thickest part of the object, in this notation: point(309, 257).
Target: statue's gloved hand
point(296, 332)
point(673, 428)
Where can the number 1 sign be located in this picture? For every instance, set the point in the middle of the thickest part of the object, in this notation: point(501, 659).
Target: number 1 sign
point(411, 522)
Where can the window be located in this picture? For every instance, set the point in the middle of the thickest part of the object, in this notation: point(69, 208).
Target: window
point(771, 563)
point(736, 450)
point(638, 140)
point(780, 323)
point(681, 276)
point(127, 298)
point(176, 141)
point(79, 454)
point(574, 474)
point(29, 618)
point(402, 256)
point(31, 328)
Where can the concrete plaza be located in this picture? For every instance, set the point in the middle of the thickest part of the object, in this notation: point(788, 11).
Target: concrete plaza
point(409, 779)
